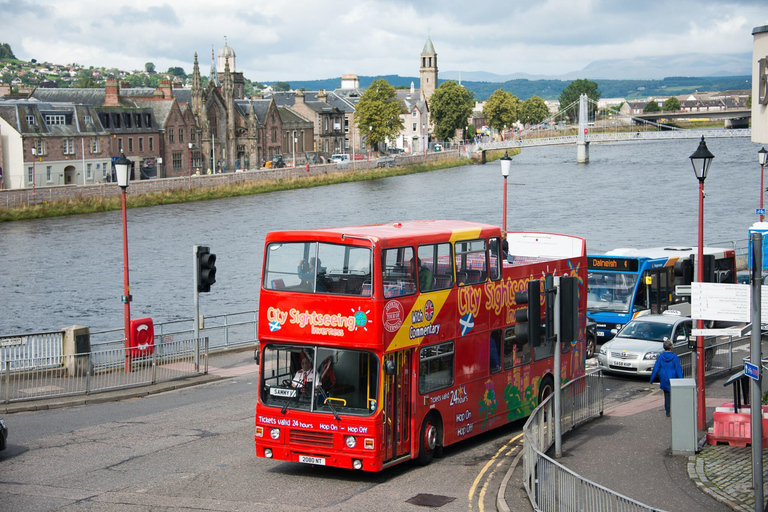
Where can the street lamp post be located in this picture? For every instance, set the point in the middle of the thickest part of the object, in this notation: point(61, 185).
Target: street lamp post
point(191, 145)
point(506, 163)
point(701, 159)
point(122, 169)
point(370, 131)
point(34, 156)
point(761, 157)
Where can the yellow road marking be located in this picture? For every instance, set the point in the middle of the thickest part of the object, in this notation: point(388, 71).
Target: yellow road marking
point(485, 468)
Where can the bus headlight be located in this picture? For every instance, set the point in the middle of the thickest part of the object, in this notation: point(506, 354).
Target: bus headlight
point(274, 433)
point(351, 442)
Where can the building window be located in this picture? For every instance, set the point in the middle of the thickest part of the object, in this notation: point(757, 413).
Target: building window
point(104, 120)
point(414, 126)
point(30, 120)
point(94, 145)
point(346, 144)
point(127, 119)
point(48, 173)
point(87, 119)
point(181, 134)
point(104, 172)
point(274, 133)
point(141, 144)
point(130, 144)
point(53, 119)
point(39, 146)
point(88, 172)
point(137, 120)
point(116, 120)
point(120, 145)
point(414, 113)
point(192, 136)
point(148, 120)
point(176, 160)
point(325, 124)
point(346, 125)
point(151, 144)
point(170, 135)
point(29, 175)
point(69, 146)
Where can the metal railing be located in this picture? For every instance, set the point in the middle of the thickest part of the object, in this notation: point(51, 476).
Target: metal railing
point(45, 348)
point(224, 331)
point(720, 357)
point(101, 369)
point(550, 485)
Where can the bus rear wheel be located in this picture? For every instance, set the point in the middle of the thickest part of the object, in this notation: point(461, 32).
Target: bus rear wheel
point(428, 440)
point(546, 388)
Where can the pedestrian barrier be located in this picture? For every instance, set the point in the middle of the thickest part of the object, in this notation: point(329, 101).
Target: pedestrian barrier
point(550, 485)
point(101, 369)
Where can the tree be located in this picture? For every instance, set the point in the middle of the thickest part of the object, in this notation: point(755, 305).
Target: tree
point(450, 106)
point(672, 104)
point(86, 82)
point(502, 109)
point(571, 95)
point(149, 67)
point(378, 112)
point(652, 106)
point(6, 52)
point(177, 71)
point(282, 86)
point(533, 110)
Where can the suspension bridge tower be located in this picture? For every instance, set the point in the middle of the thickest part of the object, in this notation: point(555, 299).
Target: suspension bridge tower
point(582, 144)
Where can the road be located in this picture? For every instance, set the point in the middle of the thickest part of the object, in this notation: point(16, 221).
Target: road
point(192, 449)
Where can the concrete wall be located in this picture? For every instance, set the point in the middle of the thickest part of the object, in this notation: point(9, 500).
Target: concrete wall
point(16, 198)
point(760, 111)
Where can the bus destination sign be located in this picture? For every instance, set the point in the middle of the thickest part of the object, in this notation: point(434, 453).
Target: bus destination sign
point(608, 263)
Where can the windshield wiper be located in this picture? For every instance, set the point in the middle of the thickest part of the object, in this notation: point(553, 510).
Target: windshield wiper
point(294, 399)
point(330, 403)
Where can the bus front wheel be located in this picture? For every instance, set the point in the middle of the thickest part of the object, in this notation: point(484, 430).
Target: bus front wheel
point(428, 440)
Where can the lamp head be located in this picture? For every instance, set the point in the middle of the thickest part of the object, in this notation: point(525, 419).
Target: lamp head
point(701, 159)
point(506, 163)
point(122, 169)
point(191, 145)
point(761, 156)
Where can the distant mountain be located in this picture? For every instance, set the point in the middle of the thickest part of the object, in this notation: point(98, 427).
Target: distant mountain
point(638, 68)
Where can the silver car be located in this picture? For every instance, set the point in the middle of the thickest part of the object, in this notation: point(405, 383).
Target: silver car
point(635, 348)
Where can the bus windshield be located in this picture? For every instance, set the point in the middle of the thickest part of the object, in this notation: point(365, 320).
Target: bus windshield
point(314, 267)
point(319, 379)
point(610, 291)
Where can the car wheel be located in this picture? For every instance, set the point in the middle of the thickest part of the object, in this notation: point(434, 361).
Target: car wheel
point(428, 440)
point(589, 349)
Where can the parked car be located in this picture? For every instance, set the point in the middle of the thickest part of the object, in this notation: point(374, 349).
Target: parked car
point(633, 351)
point(340, 157)
point(385, 161)
point(3, 435)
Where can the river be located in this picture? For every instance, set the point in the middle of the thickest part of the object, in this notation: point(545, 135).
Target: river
point(69, 271)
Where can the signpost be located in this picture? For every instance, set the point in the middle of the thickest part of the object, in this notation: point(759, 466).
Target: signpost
point(760, 211)
point(751, 370)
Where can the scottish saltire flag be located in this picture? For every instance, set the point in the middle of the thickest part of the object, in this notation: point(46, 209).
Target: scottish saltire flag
point(274, 326)
point(467, 322)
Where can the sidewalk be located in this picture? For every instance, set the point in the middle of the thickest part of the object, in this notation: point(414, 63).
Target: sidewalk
point(629, 450)
point(230, 363)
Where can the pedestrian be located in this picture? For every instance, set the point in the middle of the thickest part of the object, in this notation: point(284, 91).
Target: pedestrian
point(667, 367)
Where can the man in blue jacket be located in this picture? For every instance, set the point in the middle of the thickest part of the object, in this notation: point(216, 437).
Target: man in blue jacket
point(667, 367)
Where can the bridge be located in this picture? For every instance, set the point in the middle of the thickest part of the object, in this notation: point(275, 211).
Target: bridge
point(606, 126)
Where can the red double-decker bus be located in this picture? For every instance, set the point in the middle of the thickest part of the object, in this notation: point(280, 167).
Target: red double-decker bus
point(385, 343)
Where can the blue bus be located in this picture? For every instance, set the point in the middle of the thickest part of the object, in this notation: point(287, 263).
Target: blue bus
point(625, 283)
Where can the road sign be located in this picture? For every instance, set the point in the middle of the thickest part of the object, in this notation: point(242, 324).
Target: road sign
point(759, 211)
point(718, 301)
point(717, 332)
point(752, 371)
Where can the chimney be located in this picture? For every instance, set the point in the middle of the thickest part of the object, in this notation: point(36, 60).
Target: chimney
point(300, 99)
point(165, 86)
point(111, 93)
point(321, 96)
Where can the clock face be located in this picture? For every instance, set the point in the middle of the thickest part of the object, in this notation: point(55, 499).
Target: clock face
point(762, 85)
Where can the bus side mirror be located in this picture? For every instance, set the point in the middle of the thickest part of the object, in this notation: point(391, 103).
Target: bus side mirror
point(257, 355)
point(389, 367)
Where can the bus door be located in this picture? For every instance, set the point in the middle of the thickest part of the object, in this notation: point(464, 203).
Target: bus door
point(657, 286)
point(397, 404)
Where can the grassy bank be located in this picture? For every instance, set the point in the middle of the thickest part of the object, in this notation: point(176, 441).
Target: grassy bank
point(78, 205)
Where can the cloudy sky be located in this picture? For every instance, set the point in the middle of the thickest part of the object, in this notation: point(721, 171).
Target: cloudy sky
point(316, 39)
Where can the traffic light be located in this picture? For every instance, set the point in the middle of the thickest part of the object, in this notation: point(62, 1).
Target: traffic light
point(569, 309)
point(206, 269)
point(550, 297)
point(528, 319)
point(683, 272)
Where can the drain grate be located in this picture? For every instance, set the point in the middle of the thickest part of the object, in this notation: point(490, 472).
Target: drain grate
point(430, 500)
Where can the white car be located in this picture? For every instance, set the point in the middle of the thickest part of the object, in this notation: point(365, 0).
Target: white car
point(633, 351)
point(340, 157)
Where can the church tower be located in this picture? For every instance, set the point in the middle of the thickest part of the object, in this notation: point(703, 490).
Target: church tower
point(428, 71)
point(197, 90)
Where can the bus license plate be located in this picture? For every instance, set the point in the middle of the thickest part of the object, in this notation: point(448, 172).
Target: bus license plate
point(312, 460)
point(601, 334)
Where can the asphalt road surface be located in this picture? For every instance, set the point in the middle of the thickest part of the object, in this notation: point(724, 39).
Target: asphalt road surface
point(192, 449)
